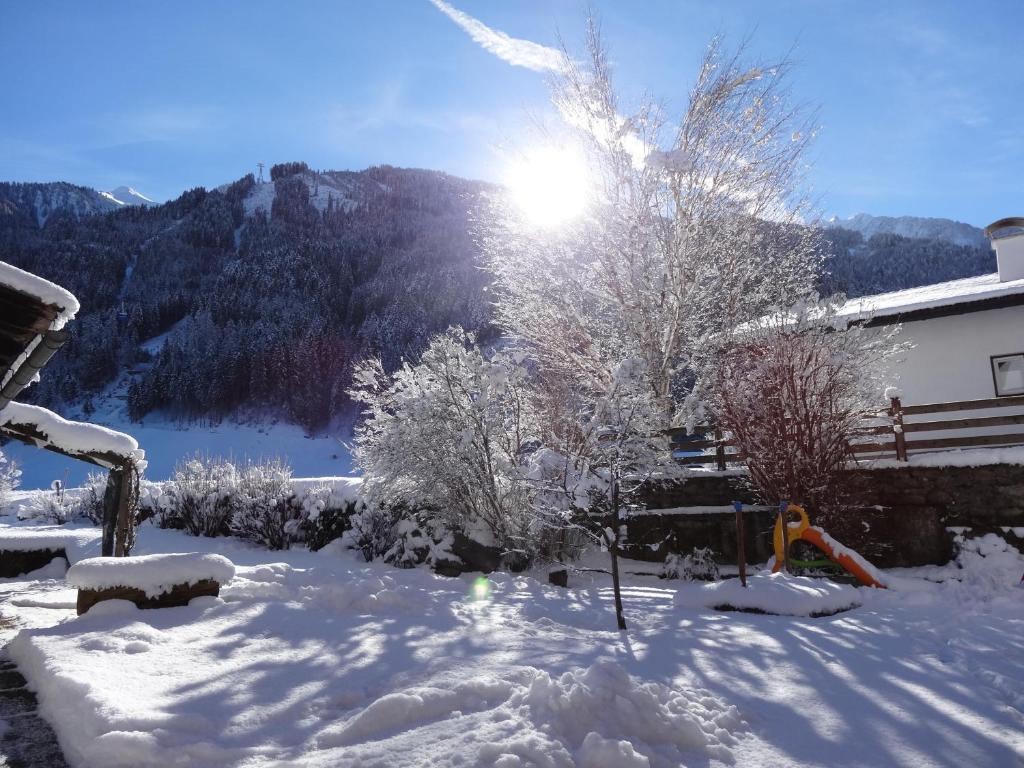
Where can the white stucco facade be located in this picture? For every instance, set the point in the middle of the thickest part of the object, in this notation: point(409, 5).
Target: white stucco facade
point(951, 357)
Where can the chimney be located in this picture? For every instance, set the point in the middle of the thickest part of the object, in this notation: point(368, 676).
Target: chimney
point(1007, 238)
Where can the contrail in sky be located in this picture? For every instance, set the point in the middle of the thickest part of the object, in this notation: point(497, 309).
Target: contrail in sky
point(518, 52)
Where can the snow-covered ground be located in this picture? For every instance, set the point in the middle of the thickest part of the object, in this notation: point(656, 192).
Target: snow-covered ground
point(323, 660)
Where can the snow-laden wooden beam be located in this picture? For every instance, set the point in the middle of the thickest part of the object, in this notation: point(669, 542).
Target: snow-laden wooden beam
point(33, 313)
point(77, 439)
point(116, 451)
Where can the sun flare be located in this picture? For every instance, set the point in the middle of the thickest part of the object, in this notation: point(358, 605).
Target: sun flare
point(550, 185)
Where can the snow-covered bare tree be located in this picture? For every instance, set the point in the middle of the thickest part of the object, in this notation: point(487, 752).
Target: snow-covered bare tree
point(10, 477)
point(794, 391)
point(598, 452)
point(446, 435)
point(694, 226)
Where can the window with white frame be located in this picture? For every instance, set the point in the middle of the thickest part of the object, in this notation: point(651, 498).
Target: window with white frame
point(1008, 374)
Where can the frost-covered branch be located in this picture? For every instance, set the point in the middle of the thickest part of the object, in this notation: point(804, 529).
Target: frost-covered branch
point(696, 226)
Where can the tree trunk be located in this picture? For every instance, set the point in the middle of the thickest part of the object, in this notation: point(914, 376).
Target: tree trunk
point(741, 551)
point(613, 550)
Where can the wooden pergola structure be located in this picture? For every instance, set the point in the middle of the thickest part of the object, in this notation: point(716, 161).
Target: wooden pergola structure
point(33, 313)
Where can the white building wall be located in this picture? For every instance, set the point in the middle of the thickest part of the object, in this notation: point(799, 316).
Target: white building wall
point(951, 355)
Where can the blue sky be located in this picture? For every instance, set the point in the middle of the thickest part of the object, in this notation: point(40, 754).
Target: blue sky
point(920, 101)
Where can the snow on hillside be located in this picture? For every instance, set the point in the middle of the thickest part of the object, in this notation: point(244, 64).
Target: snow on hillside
point(79, 201)
point(914, 226)
point(323, 188)
point(46, 199)
point(39, 201)
point(167, 441)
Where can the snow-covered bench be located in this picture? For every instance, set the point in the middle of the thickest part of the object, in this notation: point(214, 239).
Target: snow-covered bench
point(23, 550)
point(149, 581)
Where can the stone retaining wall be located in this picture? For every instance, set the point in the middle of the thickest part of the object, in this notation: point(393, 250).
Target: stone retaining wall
point(19, 562)
point(907, 524)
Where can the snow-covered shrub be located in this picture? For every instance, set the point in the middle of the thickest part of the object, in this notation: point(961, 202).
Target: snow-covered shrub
point(10, 477)
point(61, 506)
point(446, 435)
point(154, 505)
point(262, 511)
point(698, 565)
point(420, 539)
point(987, 564)
point(399, 537)
point(794, 390)
point(199, 498)
point(374, 530)
point(48, 506)
point(321, 519)
point(88, 504)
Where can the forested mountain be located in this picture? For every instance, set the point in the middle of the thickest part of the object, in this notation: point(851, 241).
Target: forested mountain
point(918, 227)
point(265, 292)
point(30, 206)
point(254, 299)
point(859, 266)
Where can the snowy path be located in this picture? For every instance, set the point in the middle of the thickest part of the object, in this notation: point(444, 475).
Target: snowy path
point(26, 740)
point(319, 660)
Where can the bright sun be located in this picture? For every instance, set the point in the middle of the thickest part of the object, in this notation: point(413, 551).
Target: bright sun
point(550, 185)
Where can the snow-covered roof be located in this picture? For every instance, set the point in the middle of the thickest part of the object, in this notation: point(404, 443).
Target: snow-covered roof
point(44, 290)
point(963, 291)
point(31, 307)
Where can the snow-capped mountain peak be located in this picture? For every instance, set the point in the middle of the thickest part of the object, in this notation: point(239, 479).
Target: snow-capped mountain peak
point(127, 196)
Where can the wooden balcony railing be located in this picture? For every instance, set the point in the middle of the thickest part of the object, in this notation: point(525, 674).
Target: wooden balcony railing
point(896, 436)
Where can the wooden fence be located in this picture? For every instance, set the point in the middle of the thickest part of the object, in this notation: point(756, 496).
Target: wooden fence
point(896, 436)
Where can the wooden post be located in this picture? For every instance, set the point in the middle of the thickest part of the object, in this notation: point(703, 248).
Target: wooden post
point(110, 508)
point(896, 411)
point(784, 517)
point(741, 550)
point(123, 538)
point(119, 502)
point(719, 450)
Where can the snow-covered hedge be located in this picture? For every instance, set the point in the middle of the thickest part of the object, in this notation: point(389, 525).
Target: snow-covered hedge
point(258, 501)
point(324, 513)
point(198, 498)
point(698, 565)
point(261, 508)
point(400, 537)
